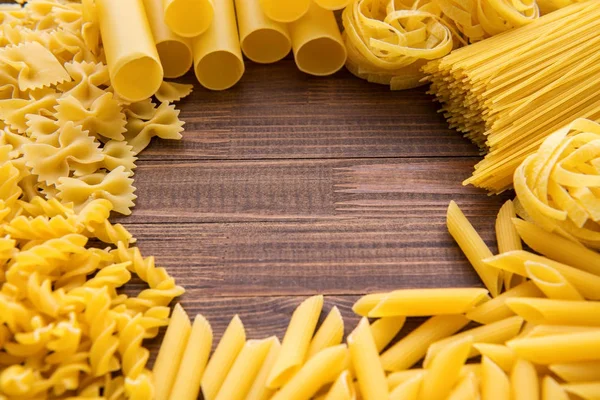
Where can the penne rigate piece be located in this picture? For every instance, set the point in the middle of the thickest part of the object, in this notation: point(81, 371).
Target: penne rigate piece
point(524, 382)
point(474, 248)
point(551, 282)
point(556, 312)
point(587, 371)
point(366, 363)
point(496, 309)
point(427, 302)
point(171, 352)
point(227, 350)
point(296, 341)
point(466, 389)
point(409, 389)
point(193, 363)
point(366, 303)
point(285, 12)
point(507, 237)
point(189, 18)
point(502, 356)
point(259, 389)
point(407, 351)
point(584, 390)
point(384, 330)
point(567, 348)
point(323, 368)
point(342, 388)
point(551, 390)
point(496, 332)
point(330, 333)
point(444, 370)
point(332, 4)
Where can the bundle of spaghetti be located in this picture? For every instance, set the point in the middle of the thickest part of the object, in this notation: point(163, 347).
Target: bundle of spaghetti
point(509, 92)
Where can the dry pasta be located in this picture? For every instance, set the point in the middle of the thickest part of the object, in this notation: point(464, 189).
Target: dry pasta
point(287, 12)
point(508, 239)
point(189, 18)
point(524, 384)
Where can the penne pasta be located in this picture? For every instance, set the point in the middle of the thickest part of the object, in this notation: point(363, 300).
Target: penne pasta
point(466, 389)
point(332, 4)
point(551, 390)
point(524, 383)
point(384, 330)
point(286, 12)
point(507, 237)
point(366, 303)
point(558, 248)
point(427, 302)
point(323, 368)
point(218, 61)
point(397, 378)
point(296, 341)
point(342, 388)
point(174, 51)
point(474, 248)
point(444, 370)
point(587, 371)
point(502, 356)
point(171, 352)
point(244, 370)
point(317, 42)
point(495, 384)
point(496, 309)
point(330, 333)
point(567, 348)
point(584, 390)
point(409, 389)
point(366, 363)
point(411, 348)
point(263, 40)
point(549, 330)
point(189, 18)
point(133, 62)
point(259, 389)
point(557, 312)
point(227, 350)
point(497, 332)
point(193, 362)
point(551, 282)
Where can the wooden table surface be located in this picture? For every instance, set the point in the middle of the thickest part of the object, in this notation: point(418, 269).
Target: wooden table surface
point(288, 185)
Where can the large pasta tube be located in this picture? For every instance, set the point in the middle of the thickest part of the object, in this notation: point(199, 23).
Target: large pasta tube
point(188, 18)
point(218, 61)
point(317, 42)
point(332, 4)
point(174, 51)
point(262, 39)
point(133, 63)
point(285, 11)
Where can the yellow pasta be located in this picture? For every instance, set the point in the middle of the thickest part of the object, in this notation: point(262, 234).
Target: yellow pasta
point(287, 12)
point(227, 350)
point(171, 91)
point(411, 348)
point(409, 389)
point(366, 363)
point(467, 388)
point(587, 371)
point(550, 330)
point(171, 353)
point(501, 355)
point(193, 362)
point(330, 333)
point(551, 390)
point(366, 303)
point(551, 282)
point(332, 4)
point(133, 62)
point(296, 341)
point(262, 39)
point(259, 389)
point(474, 248)
point(189, 18)
point(574, 347)
point(558, 312)
point(495, 384)
point(586, 391)
point(317, 43)
point(507, 237)
point(524, 383)
point(496, 309)
point(342, 388)
point(385, 329)
point(218, 61)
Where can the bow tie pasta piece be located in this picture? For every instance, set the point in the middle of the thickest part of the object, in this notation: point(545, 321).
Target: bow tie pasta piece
point(43, 130)
point(87, 78)
point(13, 112)
point(165, 124)
point(170, 92)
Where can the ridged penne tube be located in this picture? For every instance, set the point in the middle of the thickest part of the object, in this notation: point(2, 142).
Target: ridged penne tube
point(496, 332)
point(193, 363)
point(399, 377)
point(189, 18)
point(426, 302)
point(259, 389)
point(171, 352)
point(244, 370)
point(507, 237)
point(366, 363)
point(551, 390)
point(558, 248)
point(263, 40)
point(444, 370)
point(332, 4)
point(285, 12)
point(366, 303)
point(466, 389)
point(317, 43)
point(174, 51)
point(567, 348)
point(557, 312)
point(524, 382)
point(218, 61)
point(384, 330)
point(409, 389)
point(514, 261)
point(495, 384)
point(330, 333)
point(411, 348)
point(296, 341)
point(587, 371)
point(323, 368)
point(501, 355)
point(496, 309)
point(342, 388)
point(551, 282)
point(220, 363)
point(549, 330)
point(133, 63)
point(584, 390)
point(474, 248)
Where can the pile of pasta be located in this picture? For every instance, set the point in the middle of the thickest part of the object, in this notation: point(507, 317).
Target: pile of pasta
point(510, 92)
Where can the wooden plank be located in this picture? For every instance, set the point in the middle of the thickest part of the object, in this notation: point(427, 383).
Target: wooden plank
point(278, 112)
point(296, 190)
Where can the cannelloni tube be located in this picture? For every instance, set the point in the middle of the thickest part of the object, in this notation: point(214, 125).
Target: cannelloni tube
point(332, 4)
point(285, 11)
point(188, 18)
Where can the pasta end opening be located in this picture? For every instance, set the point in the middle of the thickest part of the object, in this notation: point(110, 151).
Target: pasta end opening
point(320, 57)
